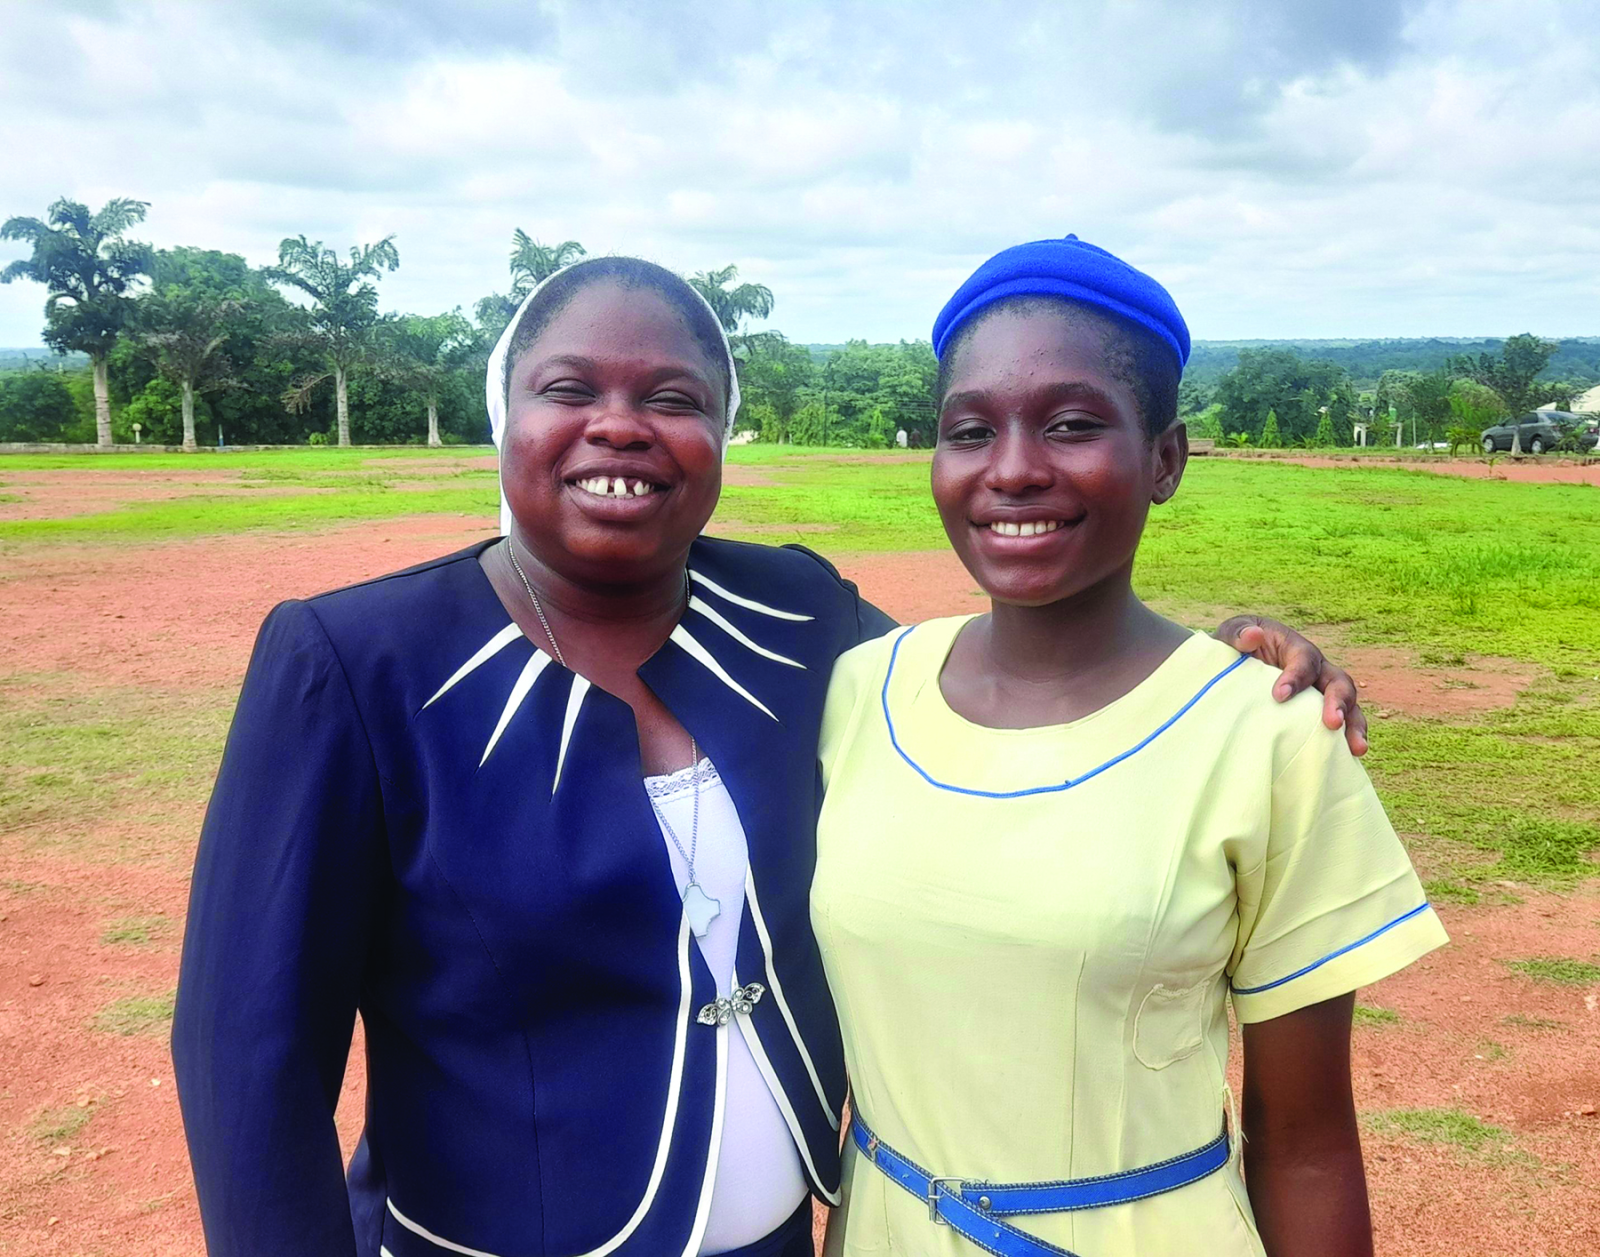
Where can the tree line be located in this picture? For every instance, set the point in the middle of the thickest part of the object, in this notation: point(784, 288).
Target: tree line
point(196, 346)
point(1276, 397)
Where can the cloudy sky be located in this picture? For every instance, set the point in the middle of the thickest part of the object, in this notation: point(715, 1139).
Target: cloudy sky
point(1316, 168)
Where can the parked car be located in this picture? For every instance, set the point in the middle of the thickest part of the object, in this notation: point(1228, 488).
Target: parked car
point(1540, 430)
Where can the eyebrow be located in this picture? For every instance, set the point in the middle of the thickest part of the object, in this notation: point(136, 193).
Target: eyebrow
point(667, 371)
point(568, 360)
point(1074, 389)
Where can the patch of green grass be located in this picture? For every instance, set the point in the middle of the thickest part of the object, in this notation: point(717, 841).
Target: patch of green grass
point(69, 757)
point(1492, 1051)
point(57, 1125)
point(134, 931)
point(1442, 890)
point(1516, 784)
point(202, 515)
point(137, 1014)
point(1523, 1021)
point(1448, 567)
point(1452, 567)
point(1365, 1015)
point(1560, 969)
point(1455, 1127)
point(311, 458)
point(312, 488)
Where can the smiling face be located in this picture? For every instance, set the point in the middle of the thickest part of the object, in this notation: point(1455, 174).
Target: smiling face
point(1044, 473)
point(612, 458)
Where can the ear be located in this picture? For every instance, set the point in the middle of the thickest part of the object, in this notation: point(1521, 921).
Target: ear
point(1169, 455)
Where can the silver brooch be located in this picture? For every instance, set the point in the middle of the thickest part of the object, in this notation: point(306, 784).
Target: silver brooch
point(742, 1001)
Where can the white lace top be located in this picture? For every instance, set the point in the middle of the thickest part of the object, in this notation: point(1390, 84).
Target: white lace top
point(759, 1181)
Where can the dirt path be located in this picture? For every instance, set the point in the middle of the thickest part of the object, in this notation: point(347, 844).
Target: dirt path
point(92, 1160)
point(184, 613)
point(1562, 471)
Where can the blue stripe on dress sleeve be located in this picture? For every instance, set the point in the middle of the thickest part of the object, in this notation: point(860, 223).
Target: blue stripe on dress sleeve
point(1334, 955)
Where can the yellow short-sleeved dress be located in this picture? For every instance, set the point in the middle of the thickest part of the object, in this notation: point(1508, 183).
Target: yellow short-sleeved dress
point(1033, 987)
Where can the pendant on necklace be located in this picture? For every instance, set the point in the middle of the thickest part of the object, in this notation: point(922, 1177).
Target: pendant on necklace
point(700, 908)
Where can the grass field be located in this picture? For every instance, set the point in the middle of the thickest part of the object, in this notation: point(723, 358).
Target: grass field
point(1443, 567)
point(131, 585)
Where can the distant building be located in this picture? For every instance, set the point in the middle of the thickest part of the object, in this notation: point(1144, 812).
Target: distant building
point(1588, 403)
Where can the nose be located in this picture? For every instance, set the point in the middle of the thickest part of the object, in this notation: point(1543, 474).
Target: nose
point(1016, 464)
point(620, 425)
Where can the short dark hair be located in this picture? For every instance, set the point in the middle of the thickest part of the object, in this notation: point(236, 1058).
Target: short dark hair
point(559, 291)
point(1137, 357)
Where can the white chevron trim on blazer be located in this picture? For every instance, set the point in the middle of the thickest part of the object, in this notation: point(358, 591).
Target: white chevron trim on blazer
point(700, 654)
point(519, 691)
point(575, 697)
point(490, 648)
point(748, 603)
point(699, 604)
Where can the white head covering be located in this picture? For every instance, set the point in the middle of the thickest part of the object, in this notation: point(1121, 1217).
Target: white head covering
point(494, 384)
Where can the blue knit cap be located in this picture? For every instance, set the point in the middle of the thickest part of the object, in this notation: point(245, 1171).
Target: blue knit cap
point(1072, 269)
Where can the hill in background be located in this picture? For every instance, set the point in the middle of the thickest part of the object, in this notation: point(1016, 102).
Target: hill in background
point(16, 359)
point(1578, 359)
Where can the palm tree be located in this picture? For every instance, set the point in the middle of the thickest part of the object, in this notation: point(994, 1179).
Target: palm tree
point(532, 263)
point(422, 353)
point(182, 330)
point(88, 268)
point(343, 314)
point(732, 305)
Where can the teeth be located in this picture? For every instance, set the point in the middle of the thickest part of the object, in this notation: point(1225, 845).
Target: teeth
point(1031, 528)
point(615, 487)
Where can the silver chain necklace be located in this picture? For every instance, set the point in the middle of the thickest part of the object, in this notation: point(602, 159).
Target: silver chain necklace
point(699, 907)
point(538, 607)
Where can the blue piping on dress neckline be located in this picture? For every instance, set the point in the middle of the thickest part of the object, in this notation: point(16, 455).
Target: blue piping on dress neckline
point(894, 741)
point(1333, 955)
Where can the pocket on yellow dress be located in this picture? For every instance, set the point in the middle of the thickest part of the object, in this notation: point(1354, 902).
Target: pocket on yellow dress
point(1170, 1024)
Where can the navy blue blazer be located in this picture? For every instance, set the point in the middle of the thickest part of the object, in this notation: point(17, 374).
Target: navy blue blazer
point(421, 816)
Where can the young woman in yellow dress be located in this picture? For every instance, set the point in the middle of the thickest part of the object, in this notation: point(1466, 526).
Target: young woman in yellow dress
point(1058, 836)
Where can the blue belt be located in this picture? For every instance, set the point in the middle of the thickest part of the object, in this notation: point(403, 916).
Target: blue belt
point(973, 1208)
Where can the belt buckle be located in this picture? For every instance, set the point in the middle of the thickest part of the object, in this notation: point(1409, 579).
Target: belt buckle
point(933, 1196)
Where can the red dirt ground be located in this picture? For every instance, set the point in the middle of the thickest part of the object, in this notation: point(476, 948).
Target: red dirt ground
point(1561, 471)
point(178, 619)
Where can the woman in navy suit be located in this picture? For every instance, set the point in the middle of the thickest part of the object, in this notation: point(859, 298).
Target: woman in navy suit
point(543, 813)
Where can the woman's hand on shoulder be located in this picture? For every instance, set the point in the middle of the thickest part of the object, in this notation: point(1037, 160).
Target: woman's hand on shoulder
point(1303, 666)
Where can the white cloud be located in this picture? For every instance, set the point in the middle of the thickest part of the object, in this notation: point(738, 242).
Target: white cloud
point(1333, 167)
